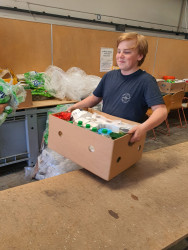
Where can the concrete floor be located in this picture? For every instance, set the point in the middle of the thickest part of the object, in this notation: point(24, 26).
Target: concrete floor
point(15, 175)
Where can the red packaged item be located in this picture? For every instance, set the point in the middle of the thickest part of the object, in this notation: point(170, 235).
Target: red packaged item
point(168, 77)
point(64, 115)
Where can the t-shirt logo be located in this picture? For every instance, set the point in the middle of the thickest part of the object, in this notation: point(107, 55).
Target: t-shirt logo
point(126, 98)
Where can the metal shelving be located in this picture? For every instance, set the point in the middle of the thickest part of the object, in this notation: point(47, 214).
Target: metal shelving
point(21, 135)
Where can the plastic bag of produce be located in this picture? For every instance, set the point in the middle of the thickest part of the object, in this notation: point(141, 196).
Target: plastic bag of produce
point(12, 95)
point(36, 82)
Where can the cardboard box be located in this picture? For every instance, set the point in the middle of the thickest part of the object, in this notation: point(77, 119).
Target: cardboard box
point(167, 87)
point(186, 87)
point(98, 154)
point(28, 100)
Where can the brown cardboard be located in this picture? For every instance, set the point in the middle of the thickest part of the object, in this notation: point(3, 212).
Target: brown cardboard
point(186, 87)
point(98, 154)
point(167, 87)
point(28, 100)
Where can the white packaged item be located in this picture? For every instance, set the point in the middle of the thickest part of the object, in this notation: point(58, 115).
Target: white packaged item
point(178, 81)
point(99, 121)
point(98, 118)
point(78, 114)
point(111, 127)
point(160, 80)
point(93, 124)
point(84, 120)
point(126, 126)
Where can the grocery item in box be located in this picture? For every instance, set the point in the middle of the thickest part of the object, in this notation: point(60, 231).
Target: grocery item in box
point(171, 87)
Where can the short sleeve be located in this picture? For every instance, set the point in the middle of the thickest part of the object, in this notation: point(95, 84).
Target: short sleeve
point(99, 89)
point(152, 93)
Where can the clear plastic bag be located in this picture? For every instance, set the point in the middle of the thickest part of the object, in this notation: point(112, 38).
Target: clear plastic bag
point(3, 117)
point(55, 82)
point(12, 95)
point(74, 84)
point(50, 164)
point(18, 95)
point(36, 82)
point(8, 76)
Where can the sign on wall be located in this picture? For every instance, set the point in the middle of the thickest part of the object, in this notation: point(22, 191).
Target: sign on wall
point(106, 59)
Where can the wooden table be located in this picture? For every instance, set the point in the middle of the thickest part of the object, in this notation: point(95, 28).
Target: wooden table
point(145, 207)
point(47, 103)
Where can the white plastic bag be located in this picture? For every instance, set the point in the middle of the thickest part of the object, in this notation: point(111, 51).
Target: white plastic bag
point(55, 82)
point(74, 84)
point(51, 164)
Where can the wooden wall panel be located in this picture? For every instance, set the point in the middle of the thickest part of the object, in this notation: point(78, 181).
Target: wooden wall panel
point(172, 58)
point(24, 46)
point(148, 64)
point(78, 47)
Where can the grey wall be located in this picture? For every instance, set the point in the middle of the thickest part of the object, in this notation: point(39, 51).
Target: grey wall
point(158, 14)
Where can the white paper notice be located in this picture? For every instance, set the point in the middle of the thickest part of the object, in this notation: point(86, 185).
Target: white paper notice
point(106, 59)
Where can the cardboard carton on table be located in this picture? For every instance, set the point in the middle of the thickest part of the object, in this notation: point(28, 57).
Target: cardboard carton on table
point(168, 87)
point(98, 154)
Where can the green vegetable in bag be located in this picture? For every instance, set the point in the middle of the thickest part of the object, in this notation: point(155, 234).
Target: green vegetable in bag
point(4, 92)
point(8, 110)
point(40, 91)
point(36, 82)
point(34, 79)
point(11, 94)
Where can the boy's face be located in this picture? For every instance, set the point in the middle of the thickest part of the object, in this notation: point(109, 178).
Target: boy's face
point(127, 57)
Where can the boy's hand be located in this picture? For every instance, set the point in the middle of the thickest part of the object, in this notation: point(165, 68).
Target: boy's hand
point(70, 109)
point(137, 133)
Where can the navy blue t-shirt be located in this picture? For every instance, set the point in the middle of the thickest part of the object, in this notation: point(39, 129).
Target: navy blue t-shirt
point(128, 96)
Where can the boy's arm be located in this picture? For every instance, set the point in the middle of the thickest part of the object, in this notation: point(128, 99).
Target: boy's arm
point(158, 116)
point(88, 102)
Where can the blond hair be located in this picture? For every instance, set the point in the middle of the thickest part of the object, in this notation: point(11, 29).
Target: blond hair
point(141, 43)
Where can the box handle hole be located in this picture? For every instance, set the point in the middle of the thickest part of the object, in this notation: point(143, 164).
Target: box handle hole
point(139, 147)
point(130, 143)
point(118, 159)
point(60, 133)
point(91, 148)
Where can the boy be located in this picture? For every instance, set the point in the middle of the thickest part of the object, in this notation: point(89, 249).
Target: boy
point(129, 91)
